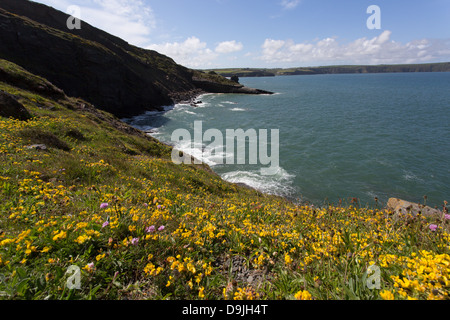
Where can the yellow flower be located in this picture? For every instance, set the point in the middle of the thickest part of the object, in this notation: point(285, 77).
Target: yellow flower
point(200, 293)
point(5, 242)
point(60, 235)
point(100, 257)
point(82, 225)
point(386, 295)
point(303, 295)
point(82, 239)
point(191, 268)
point(287, 259)
point(89, 267)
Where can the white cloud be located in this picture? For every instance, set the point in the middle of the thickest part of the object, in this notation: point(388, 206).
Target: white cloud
point(191, 53)
point(194, 53)
point(131, 20)
point(378, 50)
point(290, 4)
point(229, 46)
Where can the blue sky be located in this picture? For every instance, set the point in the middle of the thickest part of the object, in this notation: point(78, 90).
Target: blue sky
point(275, 33)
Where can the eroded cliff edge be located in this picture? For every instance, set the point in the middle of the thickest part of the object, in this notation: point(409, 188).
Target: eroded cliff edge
point(91, 64)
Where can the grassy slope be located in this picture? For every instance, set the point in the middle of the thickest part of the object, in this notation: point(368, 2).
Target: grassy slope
point(51, 218)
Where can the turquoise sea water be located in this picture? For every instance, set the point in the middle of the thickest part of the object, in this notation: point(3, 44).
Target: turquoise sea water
point(340, 136)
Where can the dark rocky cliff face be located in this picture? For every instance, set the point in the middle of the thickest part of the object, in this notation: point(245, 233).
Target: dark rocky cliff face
point(88, 63)
point(92, 64)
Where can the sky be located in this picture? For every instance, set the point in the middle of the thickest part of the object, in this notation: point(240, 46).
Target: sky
point(206, 34)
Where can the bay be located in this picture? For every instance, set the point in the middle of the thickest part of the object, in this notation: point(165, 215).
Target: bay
point(341, 136)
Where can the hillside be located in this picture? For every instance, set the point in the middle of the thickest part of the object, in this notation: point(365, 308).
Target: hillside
point(96, 66)
point(255, 72)
point(81, 190)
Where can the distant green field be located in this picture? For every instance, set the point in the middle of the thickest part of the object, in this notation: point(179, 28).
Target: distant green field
point(260, 72)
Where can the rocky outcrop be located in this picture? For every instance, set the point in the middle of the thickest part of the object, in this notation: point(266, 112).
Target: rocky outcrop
point(10, 107)
point(91, 64)
point(404, 207)
point(215, 87)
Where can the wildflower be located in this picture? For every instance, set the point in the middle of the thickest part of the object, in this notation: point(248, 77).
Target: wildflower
point(433, 227)
point(161, 228)
point(150, 229)
point(89, 267)
point(60, 235)
point(104, 205)
point(200, 293)
point(105, 224)
point(82, 239)
point(447, 216)
point(287, 259)
point(149, 268)
point(99, 257)
point(303, 295)
point(134, 241)
point(386, 295)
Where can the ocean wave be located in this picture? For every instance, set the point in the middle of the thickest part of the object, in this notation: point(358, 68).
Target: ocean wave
point(278, 184)
point(238, 109)
point(409, 176)
point(196, 150)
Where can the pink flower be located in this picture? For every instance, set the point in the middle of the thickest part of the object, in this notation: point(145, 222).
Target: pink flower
point(161, 228)
point(150, 229)
point(105, 224)
point(447, 216)
point(433, 227)
point(134, 241)
point(104, 205)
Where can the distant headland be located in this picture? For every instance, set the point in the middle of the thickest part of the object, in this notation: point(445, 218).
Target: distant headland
point(338, 69)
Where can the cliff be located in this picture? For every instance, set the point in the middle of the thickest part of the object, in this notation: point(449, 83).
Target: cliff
point(91, 64)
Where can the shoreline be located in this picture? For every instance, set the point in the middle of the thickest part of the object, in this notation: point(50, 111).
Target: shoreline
point(191, 98)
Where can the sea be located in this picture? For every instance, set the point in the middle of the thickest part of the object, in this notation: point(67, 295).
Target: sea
point(337, 138)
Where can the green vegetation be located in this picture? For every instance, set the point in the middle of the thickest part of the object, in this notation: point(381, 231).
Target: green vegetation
point(249, 72)
point(107, 199)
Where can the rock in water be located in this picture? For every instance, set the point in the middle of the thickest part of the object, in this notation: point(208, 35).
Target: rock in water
point(10, 107)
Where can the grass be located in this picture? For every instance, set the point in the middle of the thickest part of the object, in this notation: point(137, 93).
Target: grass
point(108, 201)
